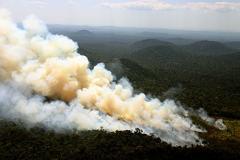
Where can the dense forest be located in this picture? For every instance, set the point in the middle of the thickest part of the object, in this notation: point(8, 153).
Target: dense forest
point(196, 73)
point(207, 71)
point(17, 142)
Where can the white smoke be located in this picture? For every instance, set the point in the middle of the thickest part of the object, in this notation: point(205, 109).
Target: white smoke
point(35, 64)
point(19, 103)
point(211, 121)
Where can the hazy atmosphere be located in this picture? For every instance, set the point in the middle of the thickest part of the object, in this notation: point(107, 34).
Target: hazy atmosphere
point(217, 15)
point(120, 79)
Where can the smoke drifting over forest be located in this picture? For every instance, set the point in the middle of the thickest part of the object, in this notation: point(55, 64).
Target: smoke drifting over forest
point(36, 65)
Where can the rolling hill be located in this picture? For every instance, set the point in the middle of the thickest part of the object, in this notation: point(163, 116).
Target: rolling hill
point(233, 44)
point(84, 33)
point(209, 48)
point(150, 43)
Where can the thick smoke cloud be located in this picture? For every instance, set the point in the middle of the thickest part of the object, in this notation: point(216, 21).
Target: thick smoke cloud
point(34, 64)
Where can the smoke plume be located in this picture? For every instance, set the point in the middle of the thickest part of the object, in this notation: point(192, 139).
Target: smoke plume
point(36, 65)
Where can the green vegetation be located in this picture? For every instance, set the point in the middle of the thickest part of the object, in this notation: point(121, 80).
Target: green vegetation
point(209, 48)
point(16, 142)
point(210, 81)
point(202, 74)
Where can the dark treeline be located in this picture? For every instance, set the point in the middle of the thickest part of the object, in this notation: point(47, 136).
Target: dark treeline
point(16, 142)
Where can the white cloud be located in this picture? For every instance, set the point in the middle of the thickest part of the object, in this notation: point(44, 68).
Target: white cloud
point(140, 4)
point(39, 3)
point(163, 5)
point(213, 6)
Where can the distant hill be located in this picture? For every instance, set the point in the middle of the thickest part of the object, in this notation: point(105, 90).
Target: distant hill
point(150, 43)
point(159, 53)
point(207, 55)
point(163, 57)
point(233, 44)
point(180, 41)
point(209, 48)
point(84, 32)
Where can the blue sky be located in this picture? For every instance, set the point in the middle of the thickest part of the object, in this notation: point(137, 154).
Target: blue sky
point(220, 15)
